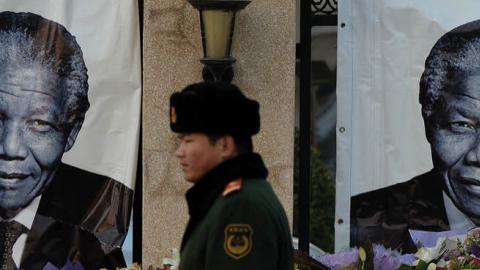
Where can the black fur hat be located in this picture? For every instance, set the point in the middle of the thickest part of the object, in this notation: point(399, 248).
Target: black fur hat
point(214, 108)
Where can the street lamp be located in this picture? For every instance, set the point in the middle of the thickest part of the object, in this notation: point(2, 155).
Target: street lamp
point(217, 22)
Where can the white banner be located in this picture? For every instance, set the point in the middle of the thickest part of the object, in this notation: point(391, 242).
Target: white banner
point(382, 47)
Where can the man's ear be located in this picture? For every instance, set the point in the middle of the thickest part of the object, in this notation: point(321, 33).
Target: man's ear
point(427, 124)
point(72, 135)
point(229, 148)
point(428, 130)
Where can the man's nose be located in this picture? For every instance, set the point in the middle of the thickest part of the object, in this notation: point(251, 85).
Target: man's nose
point(12, 145)
point(179, 151)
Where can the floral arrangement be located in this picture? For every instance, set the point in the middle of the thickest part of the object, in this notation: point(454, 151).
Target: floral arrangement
point(370, 257)
point(449, 253)
point(168, 263)
point(136, 266)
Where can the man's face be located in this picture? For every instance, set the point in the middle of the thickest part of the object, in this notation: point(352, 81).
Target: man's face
point(197, 155)
point(455, 142)
point(32, 134)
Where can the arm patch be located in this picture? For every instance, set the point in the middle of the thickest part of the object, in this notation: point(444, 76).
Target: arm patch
point(238, 240)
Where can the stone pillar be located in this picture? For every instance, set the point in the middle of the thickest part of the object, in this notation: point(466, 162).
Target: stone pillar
point(264, 45)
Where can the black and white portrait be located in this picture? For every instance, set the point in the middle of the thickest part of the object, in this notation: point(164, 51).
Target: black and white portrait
point(43, 101)
point(446, 198)
point(51, 214)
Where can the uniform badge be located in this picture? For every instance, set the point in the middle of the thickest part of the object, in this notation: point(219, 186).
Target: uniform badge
point(173, 115)
point(238, 240)
point(232, 186)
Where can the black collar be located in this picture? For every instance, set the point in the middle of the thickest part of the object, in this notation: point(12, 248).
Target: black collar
point(202, 195)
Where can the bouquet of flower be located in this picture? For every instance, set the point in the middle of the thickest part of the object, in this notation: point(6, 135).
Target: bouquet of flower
point(466, 255)
point(370, 257)
point(449, 253)
point(136, 266)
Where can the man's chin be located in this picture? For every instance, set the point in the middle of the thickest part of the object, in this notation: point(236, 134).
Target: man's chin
point(10, 206)
point(465, 194)
point(8, 213)
point(471, 210)
point(191, 178)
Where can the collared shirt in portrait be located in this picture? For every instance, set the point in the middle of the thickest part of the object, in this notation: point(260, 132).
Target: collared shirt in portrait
point(24, 217)
point(457, 220)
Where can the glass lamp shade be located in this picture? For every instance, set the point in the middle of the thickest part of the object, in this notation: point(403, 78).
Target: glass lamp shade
point(217, 31)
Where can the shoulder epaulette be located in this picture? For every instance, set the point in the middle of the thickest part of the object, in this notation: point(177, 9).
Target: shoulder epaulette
point(232, 187)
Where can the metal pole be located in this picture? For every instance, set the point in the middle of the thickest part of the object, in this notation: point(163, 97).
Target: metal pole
point(138, 193)
point(304, 138)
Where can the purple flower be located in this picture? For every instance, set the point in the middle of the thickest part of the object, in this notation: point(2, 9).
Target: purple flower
point(475, 250)
point(72, 266)
point(49, 266)
point(451, 254)
point(385, 259)
point(339, 260)
point(68, 266)
point(407, 259)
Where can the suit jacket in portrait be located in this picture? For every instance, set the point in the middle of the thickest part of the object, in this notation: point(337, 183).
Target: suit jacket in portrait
point(385, 215)
point(82, 218)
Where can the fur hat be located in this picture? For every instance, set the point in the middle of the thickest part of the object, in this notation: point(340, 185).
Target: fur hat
point(215, 108)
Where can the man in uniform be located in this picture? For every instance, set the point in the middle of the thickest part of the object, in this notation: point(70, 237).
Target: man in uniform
point(236, 221)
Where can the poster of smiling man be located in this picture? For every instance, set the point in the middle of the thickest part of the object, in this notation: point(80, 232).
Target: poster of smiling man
point(411, 101)
point(69, 124)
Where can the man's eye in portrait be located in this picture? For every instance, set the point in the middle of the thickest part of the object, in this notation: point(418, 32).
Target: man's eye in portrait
point(461, 127)
point(42, 126)
point(454, 120)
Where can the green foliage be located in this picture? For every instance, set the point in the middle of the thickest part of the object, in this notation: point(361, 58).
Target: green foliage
point(369, 249)
point(322, 200)
point(404, 267)
point(421, 265)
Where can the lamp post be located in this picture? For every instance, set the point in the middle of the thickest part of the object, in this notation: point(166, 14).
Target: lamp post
point(217, 22)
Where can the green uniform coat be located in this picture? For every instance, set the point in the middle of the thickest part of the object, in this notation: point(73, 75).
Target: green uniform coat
point(244, 229)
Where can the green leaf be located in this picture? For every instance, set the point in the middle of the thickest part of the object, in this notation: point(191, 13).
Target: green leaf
point(422, 265)
point(369, 260)
point(405, 267)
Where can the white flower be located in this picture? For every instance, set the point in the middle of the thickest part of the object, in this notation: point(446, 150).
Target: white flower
point(442, 246)
point(434, 253)
point(173, 260)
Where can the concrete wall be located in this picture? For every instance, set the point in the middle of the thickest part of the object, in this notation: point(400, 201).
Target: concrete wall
point(264, 45)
